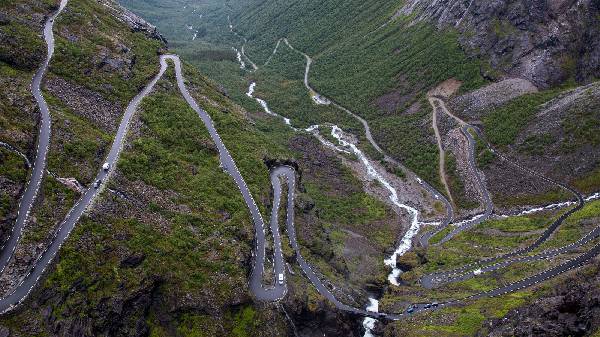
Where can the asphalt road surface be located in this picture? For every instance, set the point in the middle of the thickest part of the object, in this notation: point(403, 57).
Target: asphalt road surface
point(276, 290)
point(494, 263)
point(43, 142)
point(30, 280)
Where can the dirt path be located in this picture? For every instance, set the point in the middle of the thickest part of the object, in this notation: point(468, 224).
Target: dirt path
point(442, 162)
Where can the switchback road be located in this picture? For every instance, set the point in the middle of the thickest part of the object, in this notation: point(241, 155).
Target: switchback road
point(276, 290)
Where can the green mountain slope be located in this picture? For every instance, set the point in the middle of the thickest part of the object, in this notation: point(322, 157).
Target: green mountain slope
point(166, 248)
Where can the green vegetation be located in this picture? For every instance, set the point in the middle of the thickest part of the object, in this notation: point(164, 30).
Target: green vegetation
point(588, 183)
point(536, 144)
point(211, 50)
point(191, 325)
point(100, 57)
point(519, 224)
point(13, 169)
point(554, 195)
point(582, 124)
point(503, 124)
point(281, 84)
point(576, 226)
point(400, 60)
point(13, 166)
point(407, 138)
point(193, 235)
point(483, 155)
point(243, 323)
point(345, 230)
point(478, 243)
point(185, 240)
point(16, 124)
point(77, 147)
point(467, 320)
point(54, 202)
point(24, 40)
point(183, 219)
point(490, 238)
point(355, 63)
point(356, 209)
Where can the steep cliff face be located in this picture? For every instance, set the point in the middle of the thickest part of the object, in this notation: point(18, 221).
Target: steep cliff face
point(546, 42)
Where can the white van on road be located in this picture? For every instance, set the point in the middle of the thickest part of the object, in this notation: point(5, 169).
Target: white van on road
point(280, 278)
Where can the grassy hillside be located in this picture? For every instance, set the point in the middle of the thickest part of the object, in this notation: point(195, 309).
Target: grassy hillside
point(375, 72)
point(167, 246)
point(166, 250)
point(152, 253)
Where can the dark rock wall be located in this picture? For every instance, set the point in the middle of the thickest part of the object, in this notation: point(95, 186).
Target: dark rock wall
point(573, 309)
point(544, 41)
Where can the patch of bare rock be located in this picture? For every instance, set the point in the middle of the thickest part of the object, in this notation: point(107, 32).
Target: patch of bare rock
point(87, 103)
point(571, 309)
point(545, 42)
point(474, 103)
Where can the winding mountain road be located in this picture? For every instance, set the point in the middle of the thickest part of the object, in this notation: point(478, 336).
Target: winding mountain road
point(406, 241)
point(442, 154)
point(504, 260)
point(25, 286)
point(487, 200)
point(272, 292)
point(276, 291)
point(43, 143)
point(439, 107)
point(488, 211)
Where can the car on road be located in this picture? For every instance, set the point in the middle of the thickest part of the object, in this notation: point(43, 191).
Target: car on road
point(97, 183)
point(410, 309)
point(280, 278)
point(106, 166)
point(435, 304)
point(477, 272)
point(427, 306)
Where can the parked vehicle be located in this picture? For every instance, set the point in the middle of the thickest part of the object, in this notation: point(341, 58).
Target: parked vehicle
point(97, 183)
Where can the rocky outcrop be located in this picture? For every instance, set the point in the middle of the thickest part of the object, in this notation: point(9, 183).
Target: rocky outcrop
point(562, 139)
point(573, 309)
point(135, 22)
point(474, 103)
point(87, 103)
point(316, 317)
point(545, 42)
